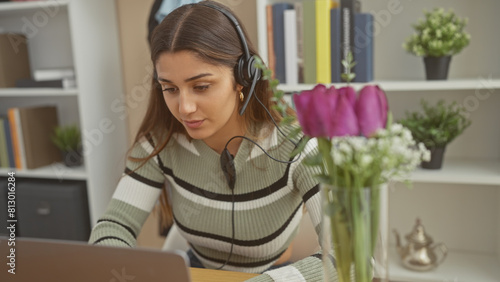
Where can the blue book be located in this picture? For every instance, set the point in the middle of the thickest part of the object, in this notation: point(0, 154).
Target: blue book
point(335, 58)
point(363, 47)
point(279, 39)
point(362, 50)
point(8, 137)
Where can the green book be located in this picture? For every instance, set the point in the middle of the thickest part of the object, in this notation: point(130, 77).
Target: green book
point(4, 154)
point(309, 37)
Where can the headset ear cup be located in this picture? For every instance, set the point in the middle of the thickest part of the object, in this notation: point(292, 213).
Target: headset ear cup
point(252, 70)
point(239, 73)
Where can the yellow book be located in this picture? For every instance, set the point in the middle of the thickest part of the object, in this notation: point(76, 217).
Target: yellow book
point(323, 49)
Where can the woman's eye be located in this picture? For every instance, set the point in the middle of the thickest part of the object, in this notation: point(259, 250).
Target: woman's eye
point(170, 90)
point(201, 87)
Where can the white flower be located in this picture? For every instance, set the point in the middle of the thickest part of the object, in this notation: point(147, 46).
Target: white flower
point(396, 128)
point(345, 148)
point(366, 160)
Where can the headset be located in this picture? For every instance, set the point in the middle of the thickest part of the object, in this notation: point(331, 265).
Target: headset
point(245, 72)
point(247, 75)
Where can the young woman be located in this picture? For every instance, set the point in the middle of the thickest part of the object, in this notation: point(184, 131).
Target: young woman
point(243, 220)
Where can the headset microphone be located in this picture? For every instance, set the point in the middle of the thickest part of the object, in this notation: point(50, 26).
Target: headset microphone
point(227, 165)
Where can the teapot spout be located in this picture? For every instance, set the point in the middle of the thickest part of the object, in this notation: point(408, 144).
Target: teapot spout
point(398, 243)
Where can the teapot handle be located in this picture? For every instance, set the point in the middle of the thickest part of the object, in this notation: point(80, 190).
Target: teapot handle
point(444, 251)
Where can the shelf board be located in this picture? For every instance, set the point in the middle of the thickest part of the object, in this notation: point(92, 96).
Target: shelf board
point(457, 267)
point(460, 171)
point(412, 85)
point(10, 7)
point(54, 171)
point(37, 92)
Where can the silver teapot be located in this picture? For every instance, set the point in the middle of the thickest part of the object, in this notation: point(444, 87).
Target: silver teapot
point(420, 254)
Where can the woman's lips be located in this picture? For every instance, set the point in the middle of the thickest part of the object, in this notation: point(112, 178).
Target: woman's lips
point(193, 123)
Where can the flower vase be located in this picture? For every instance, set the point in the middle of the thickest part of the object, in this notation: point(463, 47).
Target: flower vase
point(355, 228)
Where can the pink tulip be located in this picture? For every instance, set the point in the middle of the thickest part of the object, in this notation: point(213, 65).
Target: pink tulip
point(350, 93)
point(326, 112)
point(344, 117)
point(371, 109)
point(314, 110)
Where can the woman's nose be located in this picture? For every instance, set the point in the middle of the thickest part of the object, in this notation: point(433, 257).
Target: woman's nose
point(187, 103)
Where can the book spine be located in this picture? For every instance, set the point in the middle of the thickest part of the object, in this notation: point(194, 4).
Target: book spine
point(270, 40)
point(309, 16)
point(4, 157)
point(279, 39)
point(323, 50)
point(10, 149)
point(290, 21)
point(53, 74)
point(347, 30)
point(17, 138)
point(336, 63)
point(31, 83)
point(300, 40)
point(363, 47)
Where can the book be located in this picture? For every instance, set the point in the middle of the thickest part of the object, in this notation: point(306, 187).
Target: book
point(8, 138)
point(309, 38)
point(279, 39)
point(17, 138)
point(37, 125)
point(14, 59)
point(53, 74)
point(291, 62)
point(65, 83)
point(335, 58)
point(347, 31)
point(271, 57)
point(363, 47)
point(323, 50)
point(299, 13)
point(4, 156)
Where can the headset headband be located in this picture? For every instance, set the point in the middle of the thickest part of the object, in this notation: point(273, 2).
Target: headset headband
point(236, 25)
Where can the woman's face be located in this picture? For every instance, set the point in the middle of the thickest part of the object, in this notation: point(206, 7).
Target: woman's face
point(201, 96)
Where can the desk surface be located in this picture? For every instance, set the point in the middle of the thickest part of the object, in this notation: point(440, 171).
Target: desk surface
point(211, 275)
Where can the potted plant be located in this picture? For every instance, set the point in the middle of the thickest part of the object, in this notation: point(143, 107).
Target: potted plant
point(68, 140)
point(436, 127)
point(438, 37)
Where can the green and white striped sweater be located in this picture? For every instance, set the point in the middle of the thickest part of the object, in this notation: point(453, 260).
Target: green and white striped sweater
point(269, 197)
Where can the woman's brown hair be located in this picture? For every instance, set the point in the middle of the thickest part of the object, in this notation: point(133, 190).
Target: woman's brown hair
point(211, 36)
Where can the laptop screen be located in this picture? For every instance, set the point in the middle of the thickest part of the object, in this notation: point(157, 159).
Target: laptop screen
point(54, 260)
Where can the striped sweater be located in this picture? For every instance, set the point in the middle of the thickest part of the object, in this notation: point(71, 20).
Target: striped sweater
point(268, 198)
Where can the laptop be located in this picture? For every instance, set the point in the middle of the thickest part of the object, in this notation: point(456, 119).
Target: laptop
point(56, 260)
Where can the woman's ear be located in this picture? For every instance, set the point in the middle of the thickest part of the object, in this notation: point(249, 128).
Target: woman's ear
point(239, 88)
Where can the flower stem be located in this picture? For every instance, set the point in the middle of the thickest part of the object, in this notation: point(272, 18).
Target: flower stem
point(361, 231)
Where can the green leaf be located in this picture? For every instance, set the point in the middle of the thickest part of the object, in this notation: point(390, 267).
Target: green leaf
point(313, 160)
point(323, 178)
point(300, 147)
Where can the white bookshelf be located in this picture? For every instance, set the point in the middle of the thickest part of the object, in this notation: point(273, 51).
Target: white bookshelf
point(413, 85)
point(37, 92)
point(82, 35)
point(53, 171)
point(459, 204)
point(10, 8)
point(466, 172)
point(457, 267)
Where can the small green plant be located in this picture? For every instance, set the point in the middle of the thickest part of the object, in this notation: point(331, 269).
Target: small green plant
point(439, 34)
point(438, 125)
point(67, 138)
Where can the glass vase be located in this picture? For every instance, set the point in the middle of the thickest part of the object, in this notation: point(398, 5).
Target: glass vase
point(355, 233)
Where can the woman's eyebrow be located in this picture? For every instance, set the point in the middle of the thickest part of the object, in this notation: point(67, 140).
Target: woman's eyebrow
point(186, 80)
